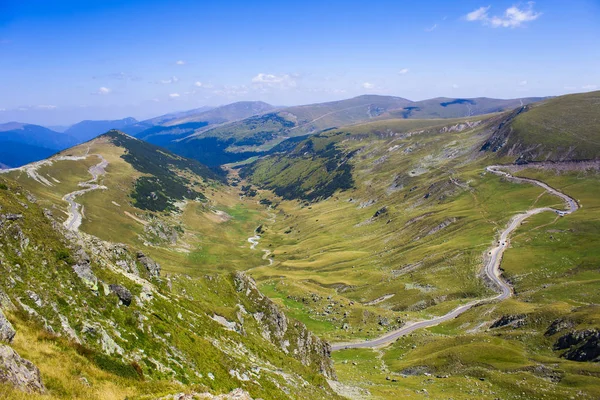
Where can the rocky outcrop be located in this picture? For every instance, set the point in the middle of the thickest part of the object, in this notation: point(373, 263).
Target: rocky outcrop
point(122, 293)
point(5, 302)
point(84, 272)
point(236, 394)
point(559, 325)
point(151, 266)
point(19, 372)
point(7, 332)
point(583, 345)
point(292, 337)
point(516, 321)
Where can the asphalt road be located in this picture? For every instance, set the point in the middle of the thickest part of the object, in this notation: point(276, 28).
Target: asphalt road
point(491, 268)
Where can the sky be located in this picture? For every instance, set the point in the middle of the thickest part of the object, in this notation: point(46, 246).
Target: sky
point(65, 61)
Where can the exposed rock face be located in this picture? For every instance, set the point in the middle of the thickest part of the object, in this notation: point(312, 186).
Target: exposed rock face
point(7, 332)
point(236, 394)
point(583, 345)
point(290, 336)
point(19, 372)
point(515, 321)
point(5, 302)
point(123, 293)
point(559, 325)
point(84, 272)
point(11, 217)
point(151, 266)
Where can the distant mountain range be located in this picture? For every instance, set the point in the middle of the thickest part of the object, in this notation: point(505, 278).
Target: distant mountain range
point(240, 130)
point(86, 130)
point(24, 143)
point(215, 144)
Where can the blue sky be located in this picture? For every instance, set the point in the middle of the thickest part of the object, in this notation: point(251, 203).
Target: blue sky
point(63, 61)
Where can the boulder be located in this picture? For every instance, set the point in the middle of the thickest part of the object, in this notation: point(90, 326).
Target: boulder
point(84, 272)
point(582, 345)
point(151, 266)
point(123, 293)
point(5, 302)
point(516, 321)
point(20, 373)
point(7, 332)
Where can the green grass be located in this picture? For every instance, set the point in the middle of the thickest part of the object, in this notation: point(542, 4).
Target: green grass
point(564, 126)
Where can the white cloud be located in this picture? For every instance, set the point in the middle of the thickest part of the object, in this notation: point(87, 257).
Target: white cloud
point(284, 81)
point(172, 79)
point(368, 85)
point(103, 91)
point(431, 28)
point(455, 86)
point(523, 83)
point(589, 87)
point(46, 107)
point(478, 15)
point(180, 62)
point(513, 16)
point(231, 91)
point(403, 71)
point(198, 84)
point(174, 95)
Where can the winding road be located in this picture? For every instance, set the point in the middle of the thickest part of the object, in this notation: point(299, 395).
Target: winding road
point(74, 219)
point(491, 267)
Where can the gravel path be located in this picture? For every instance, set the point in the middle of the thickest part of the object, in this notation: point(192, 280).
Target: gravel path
point(74, 219)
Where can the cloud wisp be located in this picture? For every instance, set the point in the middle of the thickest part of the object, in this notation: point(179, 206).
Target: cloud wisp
point(264, 81)
point(169, 81)
point(103, 91)
point(513, 17)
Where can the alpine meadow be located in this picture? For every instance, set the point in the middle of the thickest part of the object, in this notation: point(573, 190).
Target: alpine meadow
point(302, 200)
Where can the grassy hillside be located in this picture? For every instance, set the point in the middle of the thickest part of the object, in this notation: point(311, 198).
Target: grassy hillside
point(256, 135)
point(562, 128)
point(165, 131)
point(407, 243)
point(170, 335)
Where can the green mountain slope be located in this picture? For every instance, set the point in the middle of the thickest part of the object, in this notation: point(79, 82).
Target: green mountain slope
point(256, 135)
point(101, 320)
point(168, 130)
point(407, 242)
point(562, 128)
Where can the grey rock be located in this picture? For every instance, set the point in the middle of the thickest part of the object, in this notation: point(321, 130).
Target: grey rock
point(82, 257)
point(516, 321)
point(151, 266)
point(5, 302)
point(307, 348)
point(12, 217)
point(35, 298)
point(583, 345)
point(84, 272)
point(20, 373)
point(123, 293)
point(7, 332)
point(559, 325)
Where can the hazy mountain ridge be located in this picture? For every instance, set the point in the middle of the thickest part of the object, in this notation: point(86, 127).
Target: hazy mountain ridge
point(258, 134)
point(86, 130)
